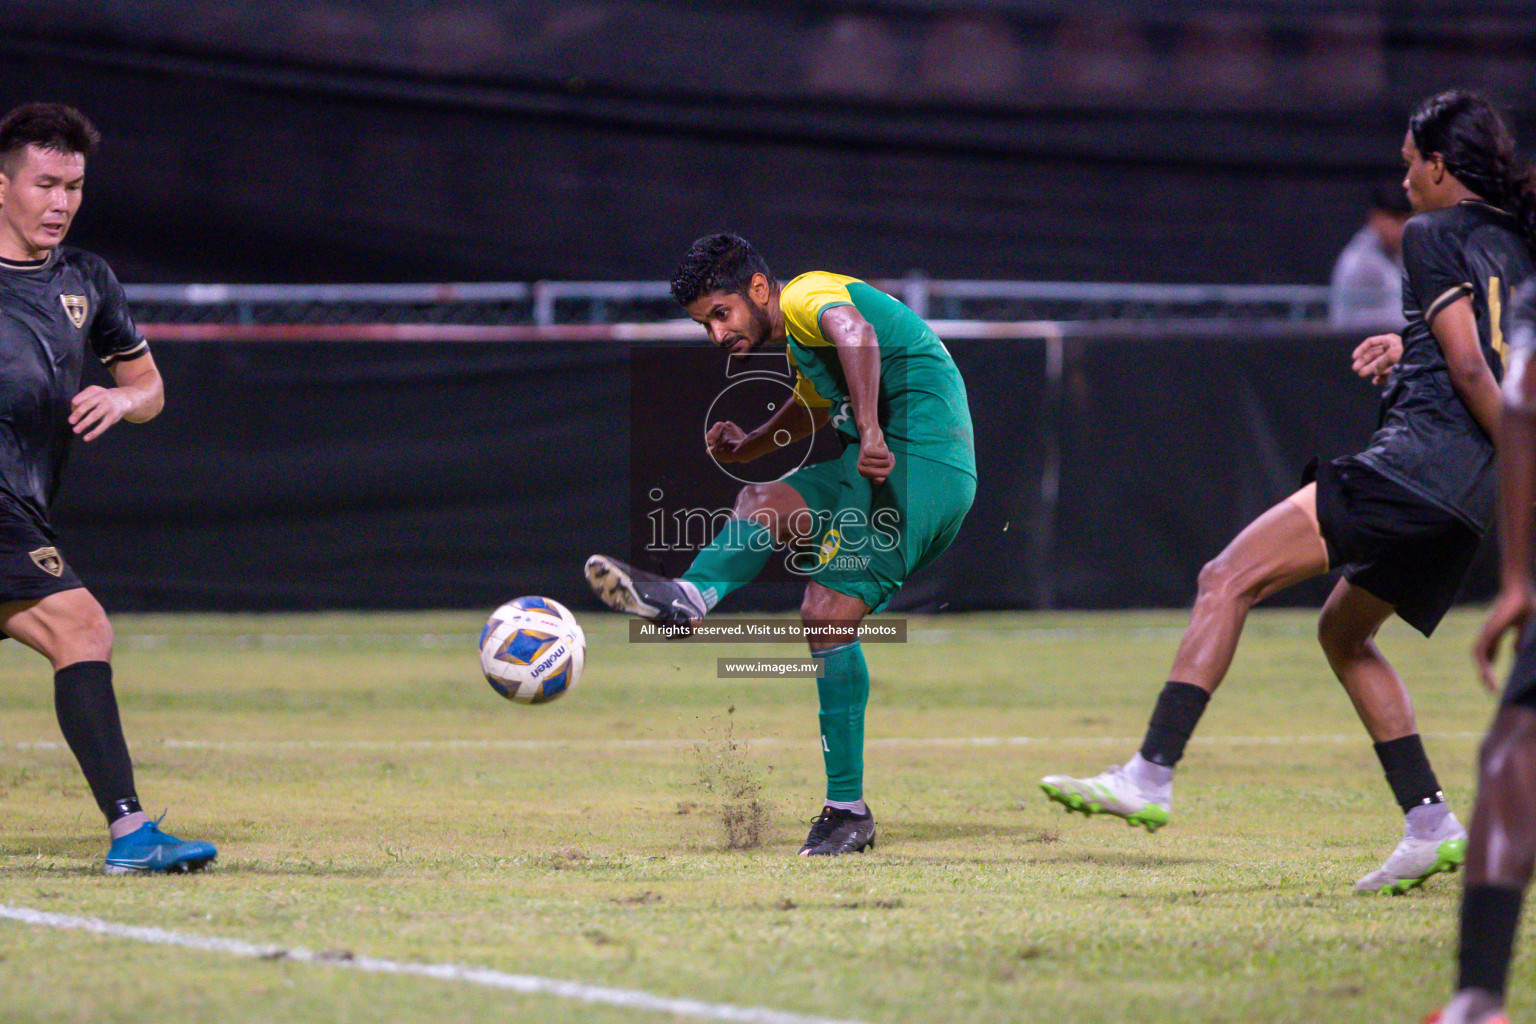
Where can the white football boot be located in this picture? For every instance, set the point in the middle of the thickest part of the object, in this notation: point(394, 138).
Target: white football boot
point(1116, 791)
point(1417, 858)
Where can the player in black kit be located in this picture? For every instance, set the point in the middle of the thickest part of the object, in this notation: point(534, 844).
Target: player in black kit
point(1502, 846)
point(1402, 519)
point(55, 302)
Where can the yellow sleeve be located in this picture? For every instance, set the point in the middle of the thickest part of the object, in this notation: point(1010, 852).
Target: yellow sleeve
point(805, 391)
point(808, 296)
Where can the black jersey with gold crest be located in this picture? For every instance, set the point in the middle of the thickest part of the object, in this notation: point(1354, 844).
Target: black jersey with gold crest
point(51, 311)
point(1428, 440)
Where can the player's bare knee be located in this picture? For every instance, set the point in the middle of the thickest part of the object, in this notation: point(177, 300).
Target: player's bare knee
point(831, 618)
point(1340, 642)
point(815, 606)
point(89, 634)
point(1221, 580)
point(752, 499)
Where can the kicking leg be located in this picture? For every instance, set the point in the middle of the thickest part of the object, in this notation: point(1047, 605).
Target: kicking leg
point(845, 824)
point(765, 516)
point(1433, 840)
point(1280, 548)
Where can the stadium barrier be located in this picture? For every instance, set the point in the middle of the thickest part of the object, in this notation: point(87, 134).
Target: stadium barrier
point(546, 303)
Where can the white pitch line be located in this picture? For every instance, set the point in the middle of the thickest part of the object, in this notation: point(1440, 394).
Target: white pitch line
point(525, 984)
point(890, 742)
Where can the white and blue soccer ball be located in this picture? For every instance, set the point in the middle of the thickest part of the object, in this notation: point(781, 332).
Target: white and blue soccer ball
point(532, 650)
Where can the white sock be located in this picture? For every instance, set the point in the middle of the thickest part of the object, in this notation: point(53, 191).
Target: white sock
point(1470, 1006)
point(858, 806)
point(1431, 821)
point(126, 824)
point(703, 600)
point(1156, 779)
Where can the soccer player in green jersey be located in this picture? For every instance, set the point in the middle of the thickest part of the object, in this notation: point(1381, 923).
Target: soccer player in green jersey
point(872, 369)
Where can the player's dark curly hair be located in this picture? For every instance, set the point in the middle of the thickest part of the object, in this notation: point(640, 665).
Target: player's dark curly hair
point(718, 263)
point(48, 126)
point(1477, 146)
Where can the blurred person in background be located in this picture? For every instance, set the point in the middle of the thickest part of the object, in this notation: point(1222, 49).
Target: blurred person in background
point(1366, 289)
point(57, 304)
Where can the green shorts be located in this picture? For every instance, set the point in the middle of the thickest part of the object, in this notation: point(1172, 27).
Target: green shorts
point(874, 536)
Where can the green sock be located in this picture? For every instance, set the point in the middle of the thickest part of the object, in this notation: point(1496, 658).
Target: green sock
point(844, 692)
point(730, 561)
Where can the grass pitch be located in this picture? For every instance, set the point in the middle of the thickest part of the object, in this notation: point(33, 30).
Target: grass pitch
point(371, 796)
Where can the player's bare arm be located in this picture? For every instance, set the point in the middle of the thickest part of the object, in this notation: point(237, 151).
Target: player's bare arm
point(1455, 328)
point(858, 349)
point(1517, 491)
point(138, 397)
point(1375, 356)
point(792, 421)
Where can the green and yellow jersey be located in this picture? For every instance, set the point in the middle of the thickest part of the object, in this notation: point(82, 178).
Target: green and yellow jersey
point(923, 409)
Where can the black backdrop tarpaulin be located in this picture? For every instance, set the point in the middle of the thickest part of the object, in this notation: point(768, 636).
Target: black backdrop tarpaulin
point(365, 476)
point(248, 157)
point(459, 475)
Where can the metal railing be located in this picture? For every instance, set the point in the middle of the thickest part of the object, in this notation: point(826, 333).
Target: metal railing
point(551, 303)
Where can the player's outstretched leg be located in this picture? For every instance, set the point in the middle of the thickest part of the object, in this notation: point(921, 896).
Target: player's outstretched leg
point(1279, 548)
point(764, 516)
point(624, 588)
point(1433, 841)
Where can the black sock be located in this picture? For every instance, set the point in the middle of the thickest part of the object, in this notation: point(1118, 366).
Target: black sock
point(1408, 772)
point(1490, 914)
point(1174, 718)
point(87, 710)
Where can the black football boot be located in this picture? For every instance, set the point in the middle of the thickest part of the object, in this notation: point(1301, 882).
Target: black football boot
point(835, 831)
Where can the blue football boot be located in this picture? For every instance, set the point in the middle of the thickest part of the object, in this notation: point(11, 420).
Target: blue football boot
point(148, 849)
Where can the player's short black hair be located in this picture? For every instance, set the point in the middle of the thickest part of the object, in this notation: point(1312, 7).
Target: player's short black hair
point(1391, 197)
point(723, 262)
point(1474, 140)
point(49, 126)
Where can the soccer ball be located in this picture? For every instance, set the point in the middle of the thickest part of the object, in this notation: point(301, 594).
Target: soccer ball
point(532, 650)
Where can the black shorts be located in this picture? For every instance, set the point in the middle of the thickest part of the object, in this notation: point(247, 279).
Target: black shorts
point(1521, 688)
point(31, 567)
point(1392, 543)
